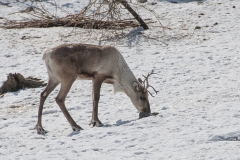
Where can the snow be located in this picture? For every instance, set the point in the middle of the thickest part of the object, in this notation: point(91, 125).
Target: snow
point(197, 76)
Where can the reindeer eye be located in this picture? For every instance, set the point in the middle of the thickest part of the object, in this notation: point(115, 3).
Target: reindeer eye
point(142, 98)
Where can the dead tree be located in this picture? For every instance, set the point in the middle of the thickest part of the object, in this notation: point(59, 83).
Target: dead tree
point(96, 15)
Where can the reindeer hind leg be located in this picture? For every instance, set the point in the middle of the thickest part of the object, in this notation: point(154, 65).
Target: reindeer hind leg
point(51, 85)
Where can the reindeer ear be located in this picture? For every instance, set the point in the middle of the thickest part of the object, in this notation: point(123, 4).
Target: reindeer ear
point(136, 87)
point(140, 80)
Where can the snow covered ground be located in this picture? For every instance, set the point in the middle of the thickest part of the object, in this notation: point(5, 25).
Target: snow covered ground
point(198, 76)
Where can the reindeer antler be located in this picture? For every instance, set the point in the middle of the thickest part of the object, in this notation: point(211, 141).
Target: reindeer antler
point(147, 84)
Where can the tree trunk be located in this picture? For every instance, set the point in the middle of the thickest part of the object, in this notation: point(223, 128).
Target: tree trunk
point(135, 15)
point(16, 82)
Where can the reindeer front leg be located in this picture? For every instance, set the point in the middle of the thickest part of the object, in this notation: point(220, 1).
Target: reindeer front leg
point(60, 99)
point(97, 82)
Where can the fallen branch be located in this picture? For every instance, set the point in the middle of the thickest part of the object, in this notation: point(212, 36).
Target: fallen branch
point(135, 15)
point(81, 23)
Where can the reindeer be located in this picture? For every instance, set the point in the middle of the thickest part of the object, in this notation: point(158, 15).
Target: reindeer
point(101, 64)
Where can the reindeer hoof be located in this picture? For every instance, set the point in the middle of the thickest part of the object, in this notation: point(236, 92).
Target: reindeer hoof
point(144, 114)
point(40, 129)
point(77, 128)
point(96, 123)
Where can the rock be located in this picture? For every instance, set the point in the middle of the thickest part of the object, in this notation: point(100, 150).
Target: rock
point(142, 1)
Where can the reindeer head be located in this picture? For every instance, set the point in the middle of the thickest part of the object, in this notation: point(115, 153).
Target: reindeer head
point(140, 100)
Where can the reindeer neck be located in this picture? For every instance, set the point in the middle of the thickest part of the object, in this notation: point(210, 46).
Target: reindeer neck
point(125, 76)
